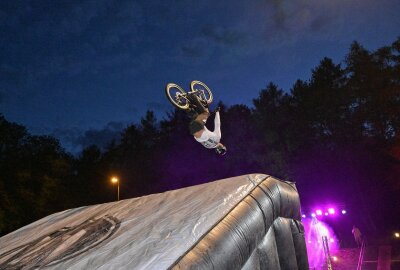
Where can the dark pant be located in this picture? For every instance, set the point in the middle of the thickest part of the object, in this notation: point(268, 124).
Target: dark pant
point(197, 106)
point(195, 126)
point(195, 109)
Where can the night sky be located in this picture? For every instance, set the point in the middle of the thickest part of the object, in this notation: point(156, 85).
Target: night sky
point(67, 67)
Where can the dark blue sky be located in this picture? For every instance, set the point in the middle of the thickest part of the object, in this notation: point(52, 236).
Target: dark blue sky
point(71, 66)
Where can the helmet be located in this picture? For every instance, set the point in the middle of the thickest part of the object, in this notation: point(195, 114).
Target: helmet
point(220, 149)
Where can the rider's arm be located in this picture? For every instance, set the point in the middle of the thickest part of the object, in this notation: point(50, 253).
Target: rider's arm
point(217, 125)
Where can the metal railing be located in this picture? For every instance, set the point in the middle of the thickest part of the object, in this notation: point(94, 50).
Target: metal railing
point(327, 253)
point(361, 256)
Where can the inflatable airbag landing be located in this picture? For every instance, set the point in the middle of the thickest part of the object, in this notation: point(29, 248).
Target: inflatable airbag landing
point(263, 231)
point(245, 222)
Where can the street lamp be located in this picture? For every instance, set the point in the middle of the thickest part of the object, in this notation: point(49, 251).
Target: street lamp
point(115, 180)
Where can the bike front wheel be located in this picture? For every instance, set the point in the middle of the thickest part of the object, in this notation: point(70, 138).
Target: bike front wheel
point(177, 96)
point(198, 86)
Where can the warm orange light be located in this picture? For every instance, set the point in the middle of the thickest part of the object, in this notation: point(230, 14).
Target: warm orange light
point(114, 180)
point(397, 235)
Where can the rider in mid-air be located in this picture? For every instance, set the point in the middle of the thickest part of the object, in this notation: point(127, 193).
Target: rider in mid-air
point(199, 115)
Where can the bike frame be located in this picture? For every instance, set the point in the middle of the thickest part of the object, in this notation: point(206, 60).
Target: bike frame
point(201, 95)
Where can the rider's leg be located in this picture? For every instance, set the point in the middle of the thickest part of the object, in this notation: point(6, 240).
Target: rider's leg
point(217, 125)
point(195, 126)
point(191, 113)
point(199, 107)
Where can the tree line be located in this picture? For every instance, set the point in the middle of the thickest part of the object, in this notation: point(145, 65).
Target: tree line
point(336, 135)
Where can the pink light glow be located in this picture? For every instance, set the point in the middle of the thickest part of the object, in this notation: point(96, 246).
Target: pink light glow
point(303, 216)
point(344, 212)
point(314, 230)
point(322, 229)
point(313, 214)
point(319, 212)
point(331, 211)
point(326, 213)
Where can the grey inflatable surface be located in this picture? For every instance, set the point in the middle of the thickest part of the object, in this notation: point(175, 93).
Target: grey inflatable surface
point(263, 231)
point(245, 222)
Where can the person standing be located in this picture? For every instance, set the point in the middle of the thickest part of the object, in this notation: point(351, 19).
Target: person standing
point(357, 235)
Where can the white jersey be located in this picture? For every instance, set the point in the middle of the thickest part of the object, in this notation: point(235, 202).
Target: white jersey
point(208, 138)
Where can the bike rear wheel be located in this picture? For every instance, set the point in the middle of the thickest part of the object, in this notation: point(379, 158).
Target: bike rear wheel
point(177, 96)
point(198, 86)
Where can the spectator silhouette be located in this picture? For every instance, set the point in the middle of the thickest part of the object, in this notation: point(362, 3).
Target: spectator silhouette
point(357, 235)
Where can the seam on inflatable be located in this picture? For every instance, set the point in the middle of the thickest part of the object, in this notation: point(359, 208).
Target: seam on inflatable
point(280, 199)
point(291, 185)
point(218, 222)
point(254, 182)
point(272, 201)
point(297, 225)
point(264, 217)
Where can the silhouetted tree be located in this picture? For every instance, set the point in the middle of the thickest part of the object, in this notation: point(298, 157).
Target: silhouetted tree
point(34, 170)
point(273, 123)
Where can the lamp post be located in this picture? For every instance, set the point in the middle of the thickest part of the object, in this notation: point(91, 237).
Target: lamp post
point(115, 180)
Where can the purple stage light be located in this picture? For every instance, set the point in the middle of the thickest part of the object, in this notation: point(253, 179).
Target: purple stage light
point(313, 215)
point(319, 212)
point(326, 213)
point(344, 212)
point(303, 216)
point(331, 211)
point(332, 240)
